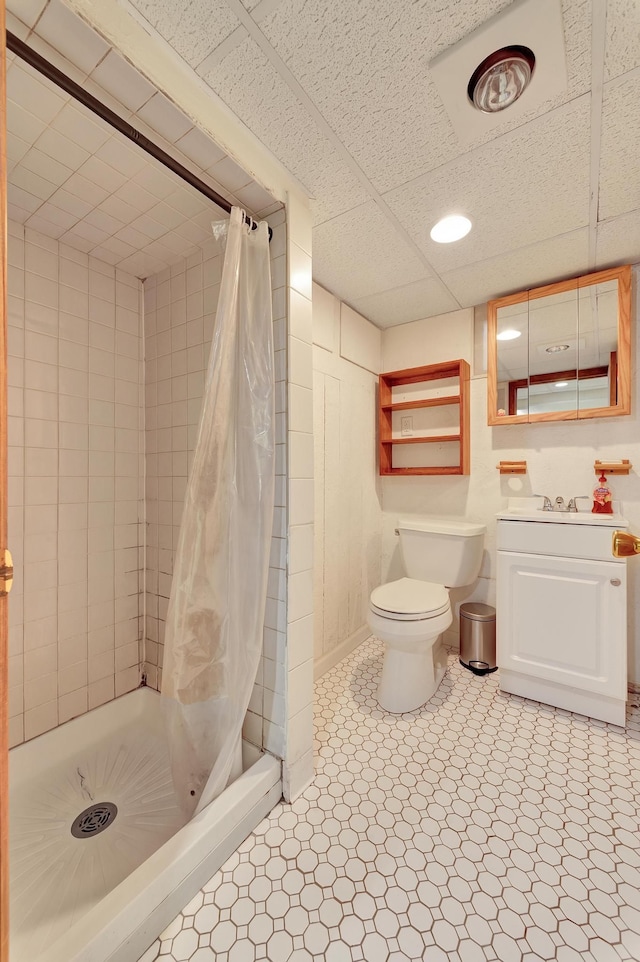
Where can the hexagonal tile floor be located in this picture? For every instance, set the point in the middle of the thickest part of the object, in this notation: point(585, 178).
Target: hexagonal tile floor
point(481, 827)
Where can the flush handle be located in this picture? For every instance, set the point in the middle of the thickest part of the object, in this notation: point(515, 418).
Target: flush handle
point(616, 582)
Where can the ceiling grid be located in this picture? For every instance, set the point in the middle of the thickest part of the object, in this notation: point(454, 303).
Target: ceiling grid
point(343, 96)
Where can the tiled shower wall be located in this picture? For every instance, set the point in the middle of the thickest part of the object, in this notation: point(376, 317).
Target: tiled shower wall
point(75, 470)
point(180, 305)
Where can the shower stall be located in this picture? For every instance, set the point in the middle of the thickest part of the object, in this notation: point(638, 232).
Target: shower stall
point(113, 284)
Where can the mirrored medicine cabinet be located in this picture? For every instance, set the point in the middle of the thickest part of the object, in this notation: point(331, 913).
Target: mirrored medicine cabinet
point(561, 352)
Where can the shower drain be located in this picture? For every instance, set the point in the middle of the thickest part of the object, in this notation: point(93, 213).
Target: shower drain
point(94, 820)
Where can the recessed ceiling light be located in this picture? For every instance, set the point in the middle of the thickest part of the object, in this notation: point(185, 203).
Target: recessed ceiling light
point(450, 229)
point(556, 348)
point(501, 78)
point(509, 335)
point(561, 384)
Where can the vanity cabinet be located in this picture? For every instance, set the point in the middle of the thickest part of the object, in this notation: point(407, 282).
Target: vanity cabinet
point(562, 617)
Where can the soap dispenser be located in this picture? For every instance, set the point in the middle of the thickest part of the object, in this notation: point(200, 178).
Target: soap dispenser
point(602, 503)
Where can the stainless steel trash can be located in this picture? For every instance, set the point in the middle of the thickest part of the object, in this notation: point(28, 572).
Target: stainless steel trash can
point(478, 637)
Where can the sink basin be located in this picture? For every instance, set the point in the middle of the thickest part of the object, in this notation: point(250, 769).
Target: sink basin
point(530, 509)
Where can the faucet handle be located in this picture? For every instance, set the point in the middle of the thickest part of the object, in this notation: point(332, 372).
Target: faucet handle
point(572, 506)
point(546, 502)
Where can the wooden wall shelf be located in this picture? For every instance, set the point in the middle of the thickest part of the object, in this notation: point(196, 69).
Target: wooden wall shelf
point(387, 406)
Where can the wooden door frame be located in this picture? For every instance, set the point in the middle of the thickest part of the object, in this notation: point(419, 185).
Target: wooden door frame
point(4, 663)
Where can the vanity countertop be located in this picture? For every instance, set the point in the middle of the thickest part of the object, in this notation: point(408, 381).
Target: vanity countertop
point(530, 509)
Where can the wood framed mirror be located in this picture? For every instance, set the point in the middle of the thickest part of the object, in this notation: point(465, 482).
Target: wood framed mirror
point(561, 352)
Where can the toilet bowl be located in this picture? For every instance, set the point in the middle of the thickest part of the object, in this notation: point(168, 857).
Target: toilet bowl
point(410, 614)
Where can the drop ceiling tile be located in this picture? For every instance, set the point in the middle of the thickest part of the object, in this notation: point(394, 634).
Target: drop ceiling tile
point(122, 81)
point(71, 36)
point(359, 253)
point(619, 148)
point(366, 69)
point(269, 108)
point(527, 185)
point(26, 10)
point(554, 259)
point(364, 66)
point(165, 118)
point(618, 240)
point(412, 302)
point(193, 29)
point(622, 52)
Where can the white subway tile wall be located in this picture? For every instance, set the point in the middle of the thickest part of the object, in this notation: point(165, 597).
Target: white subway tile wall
point(75, 481)
point(180, 305)
point(298, 616)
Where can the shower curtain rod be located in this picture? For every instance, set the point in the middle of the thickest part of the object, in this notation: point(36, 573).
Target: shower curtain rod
point(26, 53)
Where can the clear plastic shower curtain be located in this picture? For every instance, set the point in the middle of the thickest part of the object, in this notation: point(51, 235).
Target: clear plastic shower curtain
point(215, 619)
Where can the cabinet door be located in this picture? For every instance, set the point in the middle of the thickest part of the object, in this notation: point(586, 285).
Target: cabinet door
point(563, 620)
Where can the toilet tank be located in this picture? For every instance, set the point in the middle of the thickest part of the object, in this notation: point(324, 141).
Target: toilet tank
point(442, 550)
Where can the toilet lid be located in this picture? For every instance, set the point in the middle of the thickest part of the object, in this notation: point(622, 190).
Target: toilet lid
point(410, 597)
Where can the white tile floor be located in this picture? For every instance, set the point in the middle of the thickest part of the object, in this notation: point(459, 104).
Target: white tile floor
point(481, 827)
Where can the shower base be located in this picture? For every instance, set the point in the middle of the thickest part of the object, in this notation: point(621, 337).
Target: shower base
point(101, 857)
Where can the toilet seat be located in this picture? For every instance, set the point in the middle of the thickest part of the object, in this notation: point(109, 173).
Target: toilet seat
point(409, 600)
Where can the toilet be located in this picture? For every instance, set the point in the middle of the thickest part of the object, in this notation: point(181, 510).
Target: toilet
point(409, 615)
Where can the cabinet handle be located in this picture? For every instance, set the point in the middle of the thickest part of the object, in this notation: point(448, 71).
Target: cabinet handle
point(616, 582)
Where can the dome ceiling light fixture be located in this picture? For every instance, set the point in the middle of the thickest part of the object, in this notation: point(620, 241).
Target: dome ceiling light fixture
point(450, 229)
point(556, 348)
point(501, 78)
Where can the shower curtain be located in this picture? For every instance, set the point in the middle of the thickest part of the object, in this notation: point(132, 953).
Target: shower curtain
point(213, 634)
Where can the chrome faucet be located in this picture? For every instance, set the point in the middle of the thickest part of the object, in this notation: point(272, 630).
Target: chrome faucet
point(546, 502)
point(560, 505)
point(572, 506)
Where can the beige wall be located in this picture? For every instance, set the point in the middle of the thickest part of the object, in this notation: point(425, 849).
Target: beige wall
point(347, 547)
point(559, 457)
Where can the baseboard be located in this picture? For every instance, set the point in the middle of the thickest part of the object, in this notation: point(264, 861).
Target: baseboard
point(334, 657)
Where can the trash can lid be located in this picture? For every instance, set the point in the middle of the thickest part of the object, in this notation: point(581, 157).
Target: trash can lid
point(476, 611)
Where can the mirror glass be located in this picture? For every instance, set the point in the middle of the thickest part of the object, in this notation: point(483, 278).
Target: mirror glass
point(556, 354)
point(598, 345)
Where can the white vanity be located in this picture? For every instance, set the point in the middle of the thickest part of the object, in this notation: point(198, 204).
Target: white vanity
point(562, 609)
